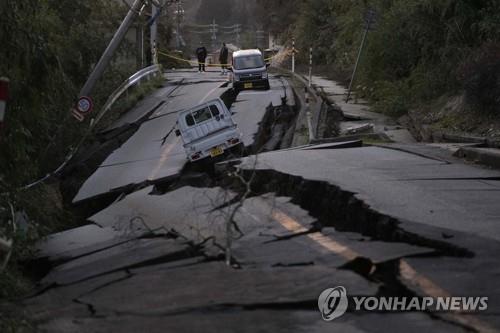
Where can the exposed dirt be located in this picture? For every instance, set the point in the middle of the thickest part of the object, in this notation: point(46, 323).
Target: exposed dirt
point(450, 115)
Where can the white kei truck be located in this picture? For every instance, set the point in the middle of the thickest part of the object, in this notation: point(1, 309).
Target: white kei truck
point(208, 130)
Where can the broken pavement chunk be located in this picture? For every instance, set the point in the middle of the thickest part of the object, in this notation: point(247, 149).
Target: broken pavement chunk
point(131, 254)
point(215, 284)
point(188, 211)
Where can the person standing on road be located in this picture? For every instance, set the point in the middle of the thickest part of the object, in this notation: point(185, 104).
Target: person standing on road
point(201, 53)
point(223, 57)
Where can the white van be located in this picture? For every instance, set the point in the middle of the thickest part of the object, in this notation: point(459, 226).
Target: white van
point(249, 70)
point(207, 130)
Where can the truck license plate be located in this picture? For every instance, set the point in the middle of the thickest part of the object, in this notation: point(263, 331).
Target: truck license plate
point(216, 151)
point(248, 85)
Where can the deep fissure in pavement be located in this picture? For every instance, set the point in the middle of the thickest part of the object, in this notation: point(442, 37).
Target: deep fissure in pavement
point(335, 207)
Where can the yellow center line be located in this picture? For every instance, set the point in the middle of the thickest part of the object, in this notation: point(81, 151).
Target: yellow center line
point(430, 288)
point(209, 93)
point(326, 242)
point(407, 272)
point(411, 275)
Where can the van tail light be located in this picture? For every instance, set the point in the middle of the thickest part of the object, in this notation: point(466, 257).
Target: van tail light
point(233, 141)
point(196, 156)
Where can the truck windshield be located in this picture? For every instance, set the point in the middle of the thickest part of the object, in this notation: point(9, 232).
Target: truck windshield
point(247, 62)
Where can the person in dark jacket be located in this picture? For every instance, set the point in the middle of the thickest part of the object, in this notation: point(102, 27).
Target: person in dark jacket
point(201, 53)
point(223, 57)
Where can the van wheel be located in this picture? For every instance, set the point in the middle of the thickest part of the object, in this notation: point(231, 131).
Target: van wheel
point(267, 86)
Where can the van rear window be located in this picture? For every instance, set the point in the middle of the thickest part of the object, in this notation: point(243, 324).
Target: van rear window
point(247, 62)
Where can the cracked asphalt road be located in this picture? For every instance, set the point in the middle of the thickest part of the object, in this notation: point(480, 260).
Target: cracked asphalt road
point(315, 219)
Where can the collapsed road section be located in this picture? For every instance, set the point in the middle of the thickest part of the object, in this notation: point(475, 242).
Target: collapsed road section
point(396, 195)
point(294, 223)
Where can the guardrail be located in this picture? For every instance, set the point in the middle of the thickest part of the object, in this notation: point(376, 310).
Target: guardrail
point(131, 81)
point(312, 116)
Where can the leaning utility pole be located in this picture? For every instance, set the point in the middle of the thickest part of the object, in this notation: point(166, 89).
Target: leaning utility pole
point(370, 18)
point(84, 103)
point(103, 63)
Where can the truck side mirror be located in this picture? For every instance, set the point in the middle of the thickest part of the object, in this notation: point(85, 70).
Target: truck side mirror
point(178, 132)
point(230, 69)
point(268, 64)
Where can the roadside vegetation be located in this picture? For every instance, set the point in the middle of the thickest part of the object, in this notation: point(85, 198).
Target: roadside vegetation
point(418, 54)
point(48, 48)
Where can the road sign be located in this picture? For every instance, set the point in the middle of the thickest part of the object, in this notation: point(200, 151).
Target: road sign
point(84, 104)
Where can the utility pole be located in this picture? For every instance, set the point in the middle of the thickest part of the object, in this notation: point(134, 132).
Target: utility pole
point(179, 14)
point(154, 33)
point(260, 37)
point(293, 55)
point(310, 65)
point(213, 30)
point(103, 63)
point(142, 46)
point(370, 17)
point(238, 37)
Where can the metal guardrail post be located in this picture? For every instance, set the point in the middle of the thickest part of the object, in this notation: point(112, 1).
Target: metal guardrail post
point(309, 116)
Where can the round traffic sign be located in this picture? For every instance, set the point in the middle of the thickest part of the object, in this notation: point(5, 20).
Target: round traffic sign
point(84, 104)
